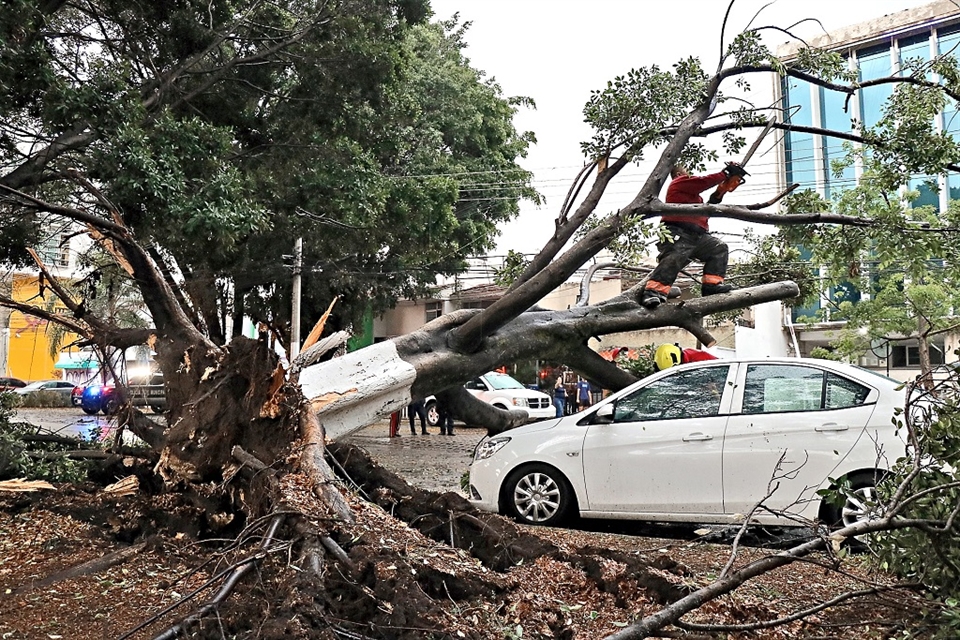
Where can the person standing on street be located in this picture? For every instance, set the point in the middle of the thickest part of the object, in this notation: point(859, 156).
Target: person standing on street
point(395, 424)
point(417, 409)
point(446, 420)
point(583, 394)
point(559, 396)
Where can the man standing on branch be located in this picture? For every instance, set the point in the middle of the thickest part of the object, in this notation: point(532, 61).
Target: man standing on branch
point(688, 237)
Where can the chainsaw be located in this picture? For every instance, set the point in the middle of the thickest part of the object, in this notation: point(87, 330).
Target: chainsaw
point(735, 171)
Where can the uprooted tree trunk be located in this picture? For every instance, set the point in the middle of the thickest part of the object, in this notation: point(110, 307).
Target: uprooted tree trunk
point(349, 392)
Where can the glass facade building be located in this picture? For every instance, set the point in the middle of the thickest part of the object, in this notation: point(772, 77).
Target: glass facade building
point(874, 49)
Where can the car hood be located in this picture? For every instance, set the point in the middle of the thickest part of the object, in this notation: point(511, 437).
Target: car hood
point(519, 393)
point(532, 427)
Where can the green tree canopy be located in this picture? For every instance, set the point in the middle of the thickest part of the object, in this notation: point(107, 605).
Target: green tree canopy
point(221, 133)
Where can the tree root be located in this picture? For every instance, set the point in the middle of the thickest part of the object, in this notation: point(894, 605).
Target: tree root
point(315, 466)
point(446, 518)
point(93, 566)
point(231, 577)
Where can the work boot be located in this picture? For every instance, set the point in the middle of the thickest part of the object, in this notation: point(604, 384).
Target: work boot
point(424, 433)
point(713, 289)
point(652, 299)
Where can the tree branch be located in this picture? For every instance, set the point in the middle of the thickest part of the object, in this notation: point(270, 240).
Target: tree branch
point(80, 328)
point(793, 617)
point(29, 173)
point(471, 410)
point(590, 364)
point(747, 214)
point(157, 294)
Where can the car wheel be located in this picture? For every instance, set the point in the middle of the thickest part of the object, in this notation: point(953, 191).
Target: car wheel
point(538, 494)
point(87, 409)
point(860, 503)
point(433, 416)
point(111, 406)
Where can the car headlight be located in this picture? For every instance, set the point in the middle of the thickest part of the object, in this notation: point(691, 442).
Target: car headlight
point(489, 447)
point(520, 402)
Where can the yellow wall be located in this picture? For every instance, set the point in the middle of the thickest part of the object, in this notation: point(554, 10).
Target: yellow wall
point(29, 345)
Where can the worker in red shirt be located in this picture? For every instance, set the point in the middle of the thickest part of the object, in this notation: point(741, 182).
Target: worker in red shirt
point(691, 239)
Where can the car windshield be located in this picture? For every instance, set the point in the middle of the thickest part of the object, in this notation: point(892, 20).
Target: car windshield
point(35, 385)
point(502, 381)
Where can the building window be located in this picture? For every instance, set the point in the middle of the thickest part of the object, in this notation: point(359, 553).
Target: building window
point(905, 355)
point(434, 310)
point(54, 249)
point(874, 63)
point(476, 304)
point(799, 146)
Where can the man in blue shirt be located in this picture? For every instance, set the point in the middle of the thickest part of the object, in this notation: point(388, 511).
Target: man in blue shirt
point(583, 394)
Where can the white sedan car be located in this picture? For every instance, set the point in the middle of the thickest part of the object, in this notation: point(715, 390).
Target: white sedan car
point(703, 442)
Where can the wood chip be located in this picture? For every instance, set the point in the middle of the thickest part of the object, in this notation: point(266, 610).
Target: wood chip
point(126, 487)
point(22, 485)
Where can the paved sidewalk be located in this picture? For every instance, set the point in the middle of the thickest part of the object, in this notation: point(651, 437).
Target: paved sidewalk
point(431, 462)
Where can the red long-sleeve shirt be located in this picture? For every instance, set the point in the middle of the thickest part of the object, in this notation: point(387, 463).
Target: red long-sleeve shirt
point(687, 190)
point(695, 355)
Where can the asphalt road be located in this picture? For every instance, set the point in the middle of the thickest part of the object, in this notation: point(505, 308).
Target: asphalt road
point(432, 462)
point(66, 422)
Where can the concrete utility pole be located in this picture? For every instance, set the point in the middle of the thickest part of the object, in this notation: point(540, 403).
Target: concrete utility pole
point(295, 310)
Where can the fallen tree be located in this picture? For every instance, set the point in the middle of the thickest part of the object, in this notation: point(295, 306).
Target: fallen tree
point(234, 411)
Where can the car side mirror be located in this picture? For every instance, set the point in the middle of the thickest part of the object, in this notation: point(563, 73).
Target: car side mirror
point(604, 414)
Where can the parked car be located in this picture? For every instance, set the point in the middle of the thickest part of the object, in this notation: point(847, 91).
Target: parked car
point(61, 388)
point(503, 392)
point(9, 384)
point(107, 398)
point(100, 398)
point(701, 443)
point(148, 393)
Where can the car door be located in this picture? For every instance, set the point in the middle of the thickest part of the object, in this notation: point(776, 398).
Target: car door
point(63, 389)
point(798, 426)
point(478, 388)
point(662, 452)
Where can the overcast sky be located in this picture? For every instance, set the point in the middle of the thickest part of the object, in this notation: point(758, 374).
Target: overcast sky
point(557, 51)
